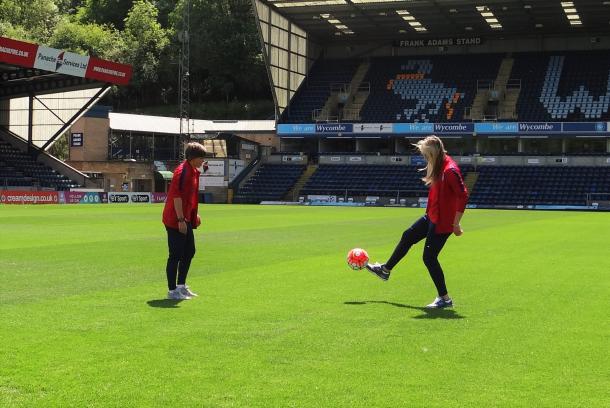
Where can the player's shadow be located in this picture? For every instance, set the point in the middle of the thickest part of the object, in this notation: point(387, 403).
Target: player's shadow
point(165, 303)
point(427, 313)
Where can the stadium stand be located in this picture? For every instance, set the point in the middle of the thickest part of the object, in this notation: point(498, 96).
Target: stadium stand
point(555, 87)
point(317, 88)
point(440, 88)
point(432, 89)
point(521, 185)
point(495, 185)
point(368, 180)
point(19, 169)
point(270, 182)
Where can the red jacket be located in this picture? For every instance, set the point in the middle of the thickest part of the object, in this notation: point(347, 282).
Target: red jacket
point(446, 197)
point(185, 185)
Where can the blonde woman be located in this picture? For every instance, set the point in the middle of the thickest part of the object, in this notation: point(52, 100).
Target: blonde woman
point(447, 199)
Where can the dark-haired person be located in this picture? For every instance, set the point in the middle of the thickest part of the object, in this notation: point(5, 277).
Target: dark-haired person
point(447, 199)
point(180, 216)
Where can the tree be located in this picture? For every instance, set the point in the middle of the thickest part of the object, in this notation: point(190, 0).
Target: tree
point(111, 12)
point(225, 52)
point(33, 20)
point(68, 6)
point(145, 42)
point(91, 39)
point(60, 147)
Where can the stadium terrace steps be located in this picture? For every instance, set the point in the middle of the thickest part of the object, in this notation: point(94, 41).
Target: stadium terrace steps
point(292, 195)
point(470, 180)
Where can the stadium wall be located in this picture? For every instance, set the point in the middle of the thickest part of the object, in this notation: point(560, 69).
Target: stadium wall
point(45, 123)
point(94, 140)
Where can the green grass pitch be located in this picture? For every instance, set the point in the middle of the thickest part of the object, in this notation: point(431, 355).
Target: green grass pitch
point(282, 321)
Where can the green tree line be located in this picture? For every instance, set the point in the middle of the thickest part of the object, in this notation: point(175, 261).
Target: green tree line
point(226, 62)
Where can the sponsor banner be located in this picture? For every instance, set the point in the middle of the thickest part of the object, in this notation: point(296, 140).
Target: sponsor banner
point(284, 129)
point(565, 207)
point(418, 161)
point(29, 197)
point(336, 204)
point(17, 52)
point(362, 129)
point(235, 167)
point(585, 127)
point(108, 71)
point(129, 198)
point(413, 128)
point(334, 128)
point(158, 197)
point(215, 168)
point(81, 197)
point(322, 198)
point(438, 42)
point(542, 127)
point(292, 158)
point(453, 127)
point(496, 127)
point(212, 182)
point(140, 198)
point(373, 128)
point(280, 203)
point(64, 62)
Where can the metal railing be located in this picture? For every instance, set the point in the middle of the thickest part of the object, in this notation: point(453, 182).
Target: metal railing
point(513, 83)
point(596, 197)
point(396, 194)
point(318, 115)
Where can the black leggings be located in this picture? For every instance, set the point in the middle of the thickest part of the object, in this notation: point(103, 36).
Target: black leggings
point(181, 252)
point(423, 228)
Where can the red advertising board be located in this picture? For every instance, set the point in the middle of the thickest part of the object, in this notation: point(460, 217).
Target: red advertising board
point(159, 197)
point(108, 71)
point(29, 55)
point(17, 52)
point(28, 197)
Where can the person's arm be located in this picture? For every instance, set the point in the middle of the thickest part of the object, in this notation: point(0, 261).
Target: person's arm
point(181, 222)
point(175, 191)
point(457, 228)
point(456, 183)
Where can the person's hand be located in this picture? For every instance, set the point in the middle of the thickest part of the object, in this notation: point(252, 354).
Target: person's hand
point(182, 227)
point(198, 222)
point(457, 230)
point(205, 166)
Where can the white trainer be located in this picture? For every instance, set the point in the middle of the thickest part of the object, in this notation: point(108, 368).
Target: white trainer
point(177, 294)
point(185, 290)
point(440, 303)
